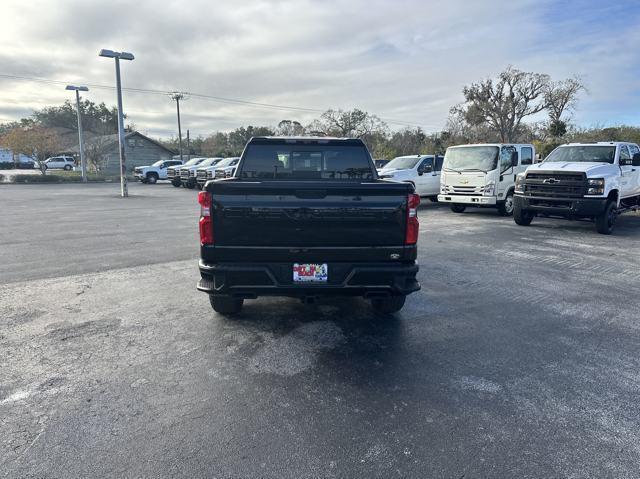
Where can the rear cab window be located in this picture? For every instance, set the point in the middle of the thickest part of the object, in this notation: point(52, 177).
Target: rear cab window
point(330, 160)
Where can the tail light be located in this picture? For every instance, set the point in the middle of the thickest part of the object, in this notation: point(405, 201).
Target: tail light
point(413, 227)
point(206, 223)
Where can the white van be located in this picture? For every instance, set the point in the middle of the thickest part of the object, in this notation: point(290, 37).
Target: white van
point(422, 171)
point(483, 175)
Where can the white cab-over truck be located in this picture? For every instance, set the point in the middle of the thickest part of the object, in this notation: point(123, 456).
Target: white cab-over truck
point(483, 175)
point(153, 173)
point(422, 171)
point(581, 180)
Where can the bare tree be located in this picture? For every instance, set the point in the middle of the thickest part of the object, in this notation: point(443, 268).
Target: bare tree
point(560, 97)
point(96, 152)
point(503, 104)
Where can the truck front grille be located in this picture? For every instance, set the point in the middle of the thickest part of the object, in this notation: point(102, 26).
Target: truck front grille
point(171, 173)
point(464, 190)
point(555, 185)
point(210, 174)
point(184, 174)
point(202, 174)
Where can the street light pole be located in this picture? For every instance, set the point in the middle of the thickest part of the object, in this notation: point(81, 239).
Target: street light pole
point(83, 163)
point(124, 192)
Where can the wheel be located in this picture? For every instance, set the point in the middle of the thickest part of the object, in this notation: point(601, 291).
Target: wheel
point(434, 198)
point(389, 305)
point(606, 219)
point(199, 186)
point(143, 180)
point(457, 208)
point(67, 167)
point(225, 304)
point(152, 178)
point(190, 185)
point(505, 208)
point(522, 217)
point(175, 183)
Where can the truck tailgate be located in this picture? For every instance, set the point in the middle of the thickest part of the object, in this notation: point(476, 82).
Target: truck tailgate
point(308, 214)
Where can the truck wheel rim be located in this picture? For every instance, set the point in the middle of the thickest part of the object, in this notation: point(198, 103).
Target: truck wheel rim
point(508, 204)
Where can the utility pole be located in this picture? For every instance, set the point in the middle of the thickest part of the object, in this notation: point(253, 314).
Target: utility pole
point(83, 164)
point(177, 96)
point(188, 145)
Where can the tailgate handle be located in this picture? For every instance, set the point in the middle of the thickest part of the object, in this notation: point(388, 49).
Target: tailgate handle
point(311, 194)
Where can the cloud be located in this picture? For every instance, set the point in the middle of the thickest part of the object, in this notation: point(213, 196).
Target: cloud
point(403, 60)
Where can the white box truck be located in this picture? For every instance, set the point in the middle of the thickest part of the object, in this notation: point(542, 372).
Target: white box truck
point(483, 175)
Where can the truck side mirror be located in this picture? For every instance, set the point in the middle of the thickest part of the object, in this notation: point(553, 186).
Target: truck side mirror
point(420, 170)
point(514, 159)
point(636, 159)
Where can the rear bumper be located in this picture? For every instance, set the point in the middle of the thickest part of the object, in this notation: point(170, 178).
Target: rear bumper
point(567, 207)
point(468, 200)
point(247, 280)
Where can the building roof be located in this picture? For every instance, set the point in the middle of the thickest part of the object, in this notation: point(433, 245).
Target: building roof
point(109, 141)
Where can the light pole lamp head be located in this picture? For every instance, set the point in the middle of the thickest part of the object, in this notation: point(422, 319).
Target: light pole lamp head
point(107, 53)
point(119, 55)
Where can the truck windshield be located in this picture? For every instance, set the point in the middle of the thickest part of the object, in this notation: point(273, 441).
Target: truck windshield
point(586, 154)
point(304, 161)
point(227, 162)
point(193, 161)
point(402, 163)
point(158, 163)
point(483, 158)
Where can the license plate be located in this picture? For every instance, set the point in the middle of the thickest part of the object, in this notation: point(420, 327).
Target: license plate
point(310, 273)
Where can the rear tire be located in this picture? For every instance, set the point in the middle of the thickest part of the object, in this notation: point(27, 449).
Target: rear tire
point(606, 220)
point(457, 208)
point(225, 304)
point(505, 208)
point(522, 217)
point(389, 305)
point(67, 167)
point(152, 178)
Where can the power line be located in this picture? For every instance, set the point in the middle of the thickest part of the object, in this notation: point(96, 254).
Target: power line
point(202, 96)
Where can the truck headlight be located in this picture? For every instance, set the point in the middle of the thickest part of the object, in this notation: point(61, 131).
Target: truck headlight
point(519, 188)
point(595, 186)
point(489, 189)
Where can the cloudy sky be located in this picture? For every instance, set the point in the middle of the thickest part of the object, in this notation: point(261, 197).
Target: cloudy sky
point(404, 60)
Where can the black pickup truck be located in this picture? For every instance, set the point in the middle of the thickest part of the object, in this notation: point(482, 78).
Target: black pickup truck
point(307, 217)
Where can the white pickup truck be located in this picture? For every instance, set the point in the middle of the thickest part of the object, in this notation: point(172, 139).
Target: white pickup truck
point(419, 170)
point(581, 180)
point(483, 175)
point(158, 171)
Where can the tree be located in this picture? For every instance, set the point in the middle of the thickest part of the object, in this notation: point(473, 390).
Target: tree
point(503, 104)
point(95, 117)
point(290, 128)
point(36, 142)
point(560, 97)
point(352, 123)
point(239, 137)
point(216, 144)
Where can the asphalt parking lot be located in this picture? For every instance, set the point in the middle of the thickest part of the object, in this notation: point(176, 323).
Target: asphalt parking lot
point(518, 358)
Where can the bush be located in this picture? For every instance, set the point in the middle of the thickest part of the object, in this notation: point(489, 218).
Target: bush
point(65, 178)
